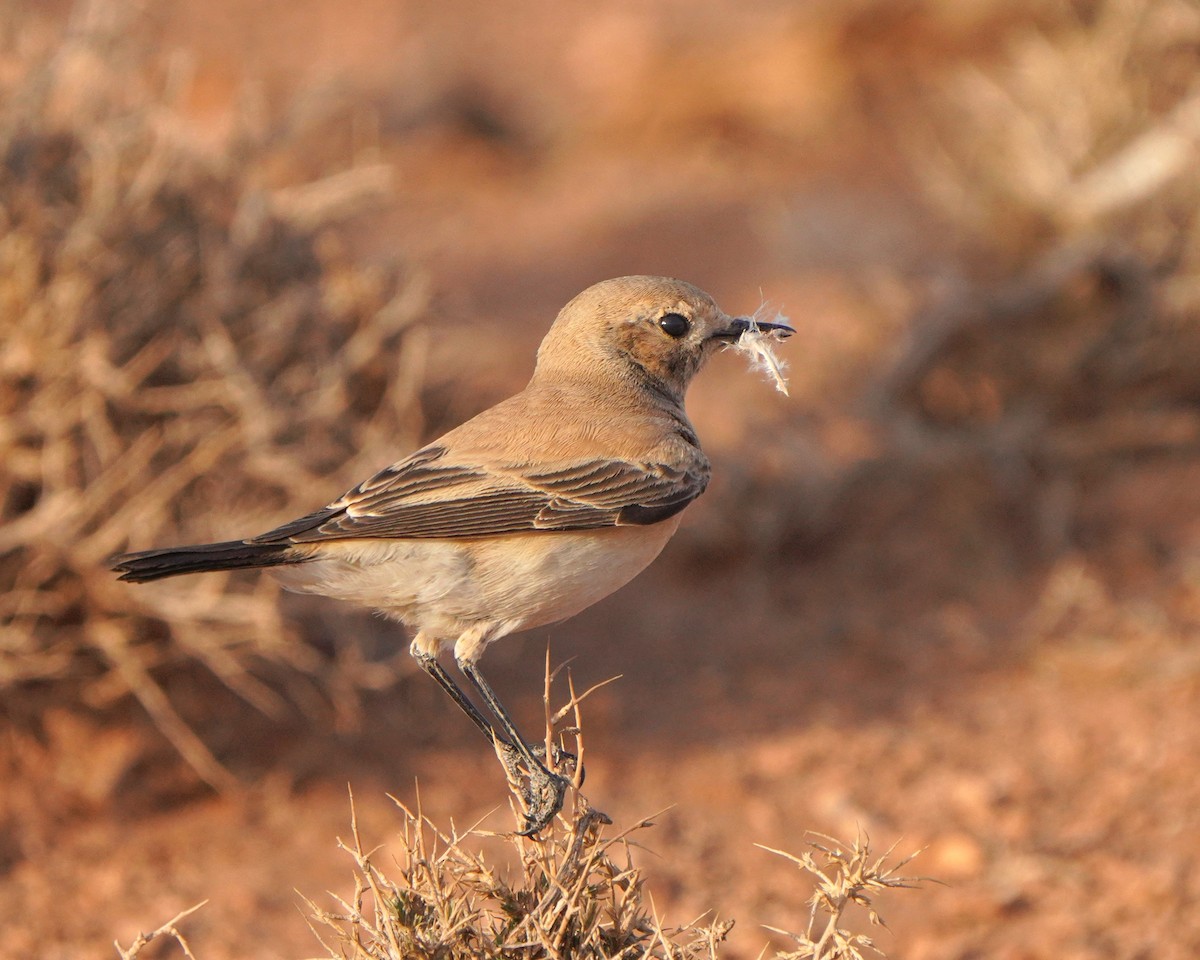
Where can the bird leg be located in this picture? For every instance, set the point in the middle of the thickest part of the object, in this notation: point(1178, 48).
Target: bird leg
point(511, 757)
point(559, 758)
point(544, 797)
point(429, 663)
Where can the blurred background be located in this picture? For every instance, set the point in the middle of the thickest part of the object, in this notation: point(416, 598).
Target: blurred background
point(948, 592)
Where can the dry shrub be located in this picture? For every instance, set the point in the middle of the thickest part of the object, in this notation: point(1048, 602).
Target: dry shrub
point(1088, 124)
point(575, 893)
point(174, 334)
point(845, 875)
point(570, 892)
point(1067, 174)
point(1056, 339)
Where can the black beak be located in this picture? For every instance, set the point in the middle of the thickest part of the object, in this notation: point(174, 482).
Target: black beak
point(740, 325)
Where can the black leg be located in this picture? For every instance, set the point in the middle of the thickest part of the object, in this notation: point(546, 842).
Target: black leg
point(431, 666)
point(547, 789)
point(512, 758)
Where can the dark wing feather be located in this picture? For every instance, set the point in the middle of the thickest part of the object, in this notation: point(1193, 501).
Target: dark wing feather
point(424, 497)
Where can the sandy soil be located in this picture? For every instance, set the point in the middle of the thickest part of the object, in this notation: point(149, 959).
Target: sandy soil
point(908, 653)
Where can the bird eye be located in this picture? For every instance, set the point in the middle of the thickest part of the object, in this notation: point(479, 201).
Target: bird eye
point(674, 324)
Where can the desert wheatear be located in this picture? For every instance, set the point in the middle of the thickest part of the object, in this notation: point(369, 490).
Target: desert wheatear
point(525, 514)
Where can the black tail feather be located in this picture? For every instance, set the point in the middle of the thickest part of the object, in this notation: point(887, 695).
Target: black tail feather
point(172, 561)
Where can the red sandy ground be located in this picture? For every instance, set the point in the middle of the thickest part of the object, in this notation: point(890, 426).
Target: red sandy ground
point(915, 669)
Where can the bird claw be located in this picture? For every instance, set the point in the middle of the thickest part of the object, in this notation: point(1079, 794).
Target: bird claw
point(542, 799)
point(540, 790)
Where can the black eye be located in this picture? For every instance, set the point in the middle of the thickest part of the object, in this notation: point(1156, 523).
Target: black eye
point(674, 324)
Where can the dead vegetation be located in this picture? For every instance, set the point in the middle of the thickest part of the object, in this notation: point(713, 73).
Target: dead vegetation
point(176, 336)
point(1058, 337)
point(162, 309)
point(575, 893)
point(845, 874)
point(168, 929)
point(1066, 172)
point(443, 895)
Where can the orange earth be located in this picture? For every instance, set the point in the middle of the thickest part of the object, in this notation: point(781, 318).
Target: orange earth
point(839, 638)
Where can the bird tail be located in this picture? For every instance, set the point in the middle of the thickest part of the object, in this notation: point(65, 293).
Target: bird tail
point(201, 558)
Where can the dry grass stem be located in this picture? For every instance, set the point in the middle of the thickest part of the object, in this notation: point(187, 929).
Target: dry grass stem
point(168, 929)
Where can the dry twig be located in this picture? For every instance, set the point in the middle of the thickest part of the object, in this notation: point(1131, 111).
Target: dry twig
point(168, 929)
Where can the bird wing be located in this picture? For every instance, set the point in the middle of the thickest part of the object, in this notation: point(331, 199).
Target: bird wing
point(424, 496)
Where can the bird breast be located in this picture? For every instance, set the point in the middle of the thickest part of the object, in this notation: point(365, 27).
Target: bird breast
point(444, 587)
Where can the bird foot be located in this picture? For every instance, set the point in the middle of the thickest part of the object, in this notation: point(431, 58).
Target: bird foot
point(562, 762)
point(541, 791)
point(542, 799)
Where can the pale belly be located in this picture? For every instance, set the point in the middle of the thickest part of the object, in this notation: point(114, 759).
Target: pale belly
point(445, 587)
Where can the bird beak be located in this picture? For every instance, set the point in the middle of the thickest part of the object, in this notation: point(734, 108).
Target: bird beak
point(739, 325)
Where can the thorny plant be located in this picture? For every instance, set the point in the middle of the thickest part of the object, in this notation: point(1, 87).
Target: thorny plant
point(175, 333)
point(849, 875)
point(574, 893)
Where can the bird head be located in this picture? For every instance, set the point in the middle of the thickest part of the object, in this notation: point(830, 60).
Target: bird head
point(656, 332)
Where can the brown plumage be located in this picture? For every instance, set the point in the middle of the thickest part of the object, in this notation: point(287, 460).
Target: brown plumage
point(525, 514)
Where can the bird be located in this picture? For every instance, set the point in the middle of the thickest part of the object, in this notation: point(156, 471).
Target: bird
point(523, 515)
